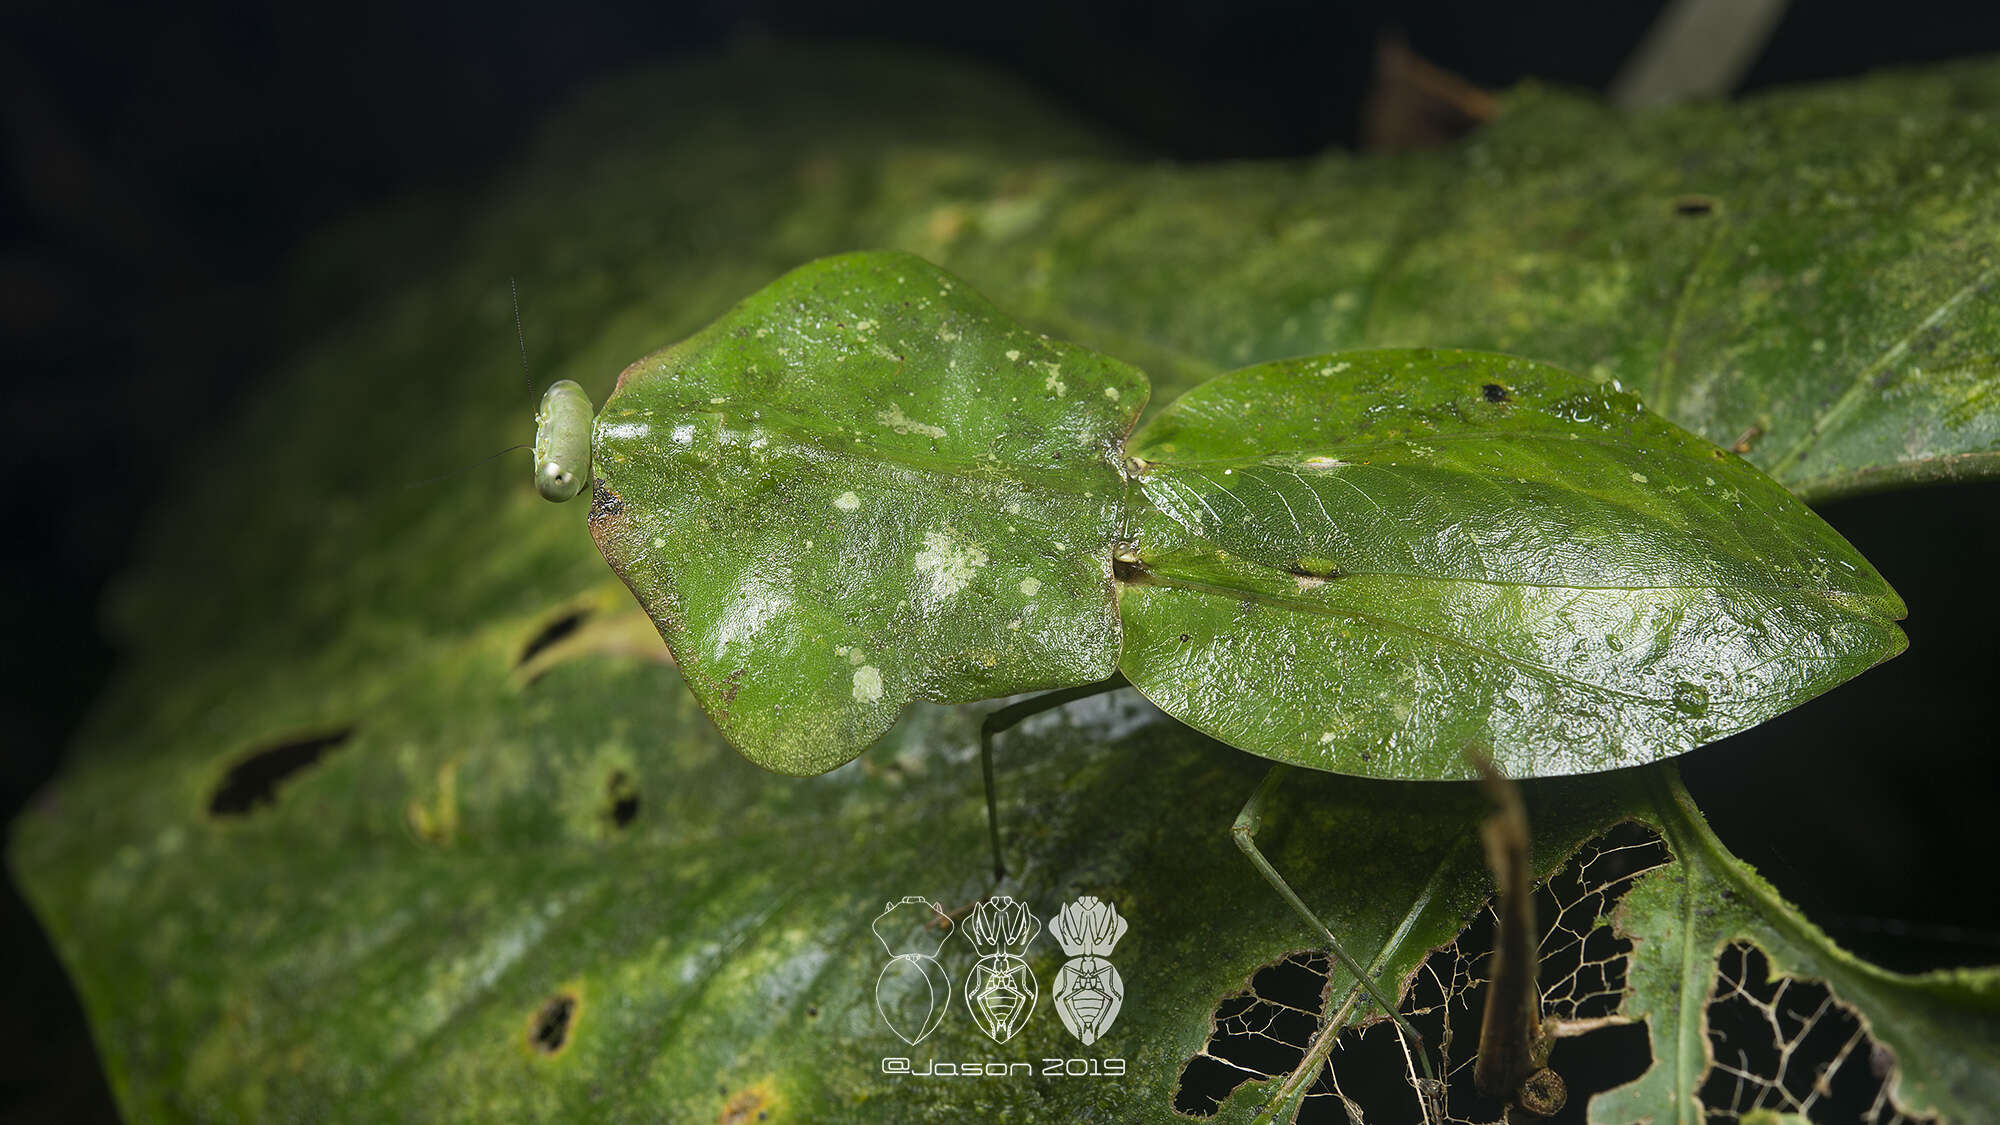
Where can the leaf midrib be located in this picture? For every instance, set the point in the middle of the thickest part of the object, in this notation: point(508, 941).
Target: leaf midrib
point(1388, 625)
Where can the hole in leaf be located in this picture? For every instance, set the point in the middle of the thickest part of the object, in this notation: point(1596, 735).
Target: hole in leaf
point(1610, 1057)
point(550, 1029)
point(1494, 392)
point(621, 799)
point(1695, 206)
point(1583, 966)
point(1788, 1044)
point(1263, 1030)
point(549, 634)
point(254, 780)
point(1367, 1077)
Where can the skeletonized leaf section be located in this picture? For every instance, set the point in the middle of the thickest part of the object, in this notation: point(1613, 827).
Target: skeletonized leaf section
point(1362, 562)
point(862, 486)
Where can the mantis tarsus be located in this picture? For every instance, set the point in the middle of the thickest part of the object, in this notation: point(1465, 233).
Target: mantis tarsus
point(864, 486)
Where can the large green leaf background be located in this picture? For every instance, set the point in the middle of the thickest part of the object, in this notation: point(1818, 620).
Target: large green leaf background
point(386, 938)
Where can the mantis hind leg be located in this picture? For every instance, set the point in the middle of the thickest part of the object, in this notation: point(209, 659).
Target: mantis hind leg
point(1013, 715)
point(1244, 832)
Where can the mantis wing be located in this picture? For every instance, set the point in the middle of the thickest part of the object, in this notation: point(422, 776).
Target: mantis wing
point(1362, 562)
point(863, 486)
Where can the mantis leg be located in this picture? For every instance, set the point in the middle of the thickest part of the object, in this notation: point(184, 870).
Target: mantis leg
point(1244, 831)
point(1010, 716)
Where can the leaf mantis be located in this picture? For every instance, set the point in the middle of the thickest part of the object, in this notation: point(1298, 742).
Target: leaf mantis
point(865, 485)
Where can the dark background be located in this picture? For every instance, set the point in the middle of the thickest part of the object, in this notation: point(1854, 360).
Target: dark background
point(161, 162)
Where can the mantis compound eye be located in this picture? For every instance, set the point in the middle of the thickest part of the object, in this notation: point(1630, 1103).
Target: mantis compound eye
point(562, 441)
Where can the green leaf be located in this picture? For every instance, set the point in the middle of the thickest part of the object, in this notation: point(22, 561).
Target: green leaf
point(1646, 923)
point(1363, 562)
point(1806, 272)
point(863, 486)
point(1941, 1025)
point(390, 937)
point(384, 937)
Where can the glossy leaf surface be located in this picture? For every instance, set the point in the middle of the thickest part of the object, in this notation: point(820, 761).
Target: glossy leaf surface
point(1363, 562)
point(860, 487)
point(381, 940)
point(1808, 272)
point(384, 939)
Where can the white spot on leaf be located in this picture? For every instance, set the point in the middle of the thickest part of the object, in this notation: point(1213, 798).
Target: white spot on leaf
point(867, 684)
point(847, 501)
point(895, 420)
point(948, 566)
point(1031, 586)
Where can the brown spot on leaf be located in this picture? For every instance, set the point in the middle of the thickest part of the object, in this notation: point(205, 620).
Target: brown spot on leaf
point(749, 1104)
point(604, 503)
